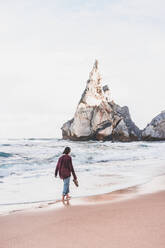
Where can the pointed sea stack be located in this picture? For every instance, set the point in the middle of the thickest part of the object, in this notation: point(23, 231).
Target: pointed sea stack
point(99, 118)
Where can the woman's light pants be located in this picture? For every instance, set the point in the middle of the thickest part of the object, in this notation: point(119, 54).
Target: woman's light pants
point(66, 186)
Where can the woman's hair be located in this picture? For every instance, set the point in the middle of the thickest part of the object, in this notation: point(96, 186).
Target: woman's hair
point(66, 150)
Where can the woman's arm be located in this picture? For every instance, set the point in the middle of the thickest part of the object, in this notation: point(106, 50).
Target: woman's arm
point(57, 168)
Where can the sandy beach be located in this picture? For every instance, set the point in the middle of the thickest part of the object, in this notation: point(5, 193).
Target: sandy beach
point(135, 222)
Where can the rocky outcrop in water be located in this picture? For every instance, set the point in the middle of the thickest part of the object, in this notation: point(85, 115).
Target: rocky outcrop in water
point(156, 129)
point(97, 117)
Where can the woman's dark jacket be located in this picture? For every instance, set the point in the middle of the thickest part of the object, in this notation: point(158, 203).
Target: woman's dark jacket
point(65, 167)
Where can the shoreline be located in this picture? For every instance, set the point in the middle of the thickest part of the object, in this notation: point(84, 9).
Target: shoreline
point(130, 218)
point(157, 184)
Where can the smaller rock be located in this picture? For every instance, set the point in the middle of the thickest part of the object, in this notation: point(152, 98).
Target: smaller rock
point(156, 129)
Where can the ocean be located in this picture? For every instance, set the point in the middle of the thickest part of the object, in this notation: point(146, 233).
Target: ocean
point(27, 169)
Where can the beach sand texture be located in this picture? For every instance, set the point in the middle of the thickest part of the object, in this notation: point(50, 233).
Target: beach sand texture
point(132, 223)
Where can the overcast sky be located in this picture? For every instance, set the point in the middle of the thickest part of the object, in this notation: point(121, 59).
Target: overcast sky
point(48, 47)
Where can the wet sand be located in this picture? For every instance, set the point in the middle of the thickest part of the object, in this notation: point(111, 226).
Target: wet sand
point(116, 222)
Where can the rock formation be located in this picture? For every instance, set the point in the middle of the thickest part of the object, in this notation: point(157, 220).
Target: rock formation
point(99, 118)
point(156, 129)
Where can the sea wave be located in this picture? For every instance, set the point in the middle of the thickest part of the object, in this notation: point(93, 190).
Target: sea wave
point(27, 167)
point(5, 154)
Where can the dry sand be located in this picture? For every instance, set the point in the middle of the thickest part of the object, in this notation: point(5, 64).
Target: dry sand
point(131, 223)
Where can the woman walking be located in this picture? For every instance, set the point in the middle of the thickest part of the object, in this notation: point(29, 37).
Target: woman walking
point(65, 168)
